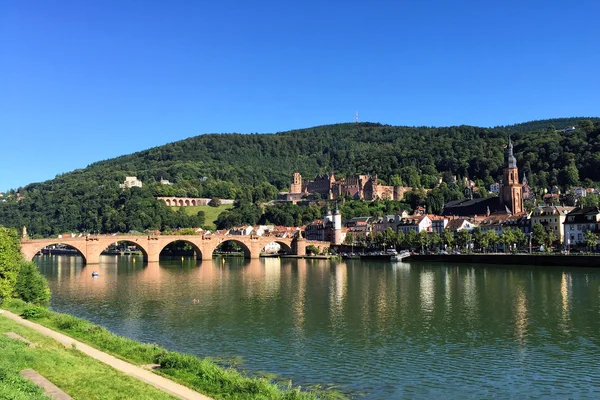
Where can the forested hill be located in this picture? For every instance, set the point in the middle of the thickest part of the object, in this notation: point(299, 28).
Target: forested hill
point(253, 167)
point(545, 124)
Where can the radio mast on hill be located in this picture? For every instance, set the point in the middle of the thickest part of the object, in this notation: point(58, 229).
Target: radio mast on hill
point(356, 117)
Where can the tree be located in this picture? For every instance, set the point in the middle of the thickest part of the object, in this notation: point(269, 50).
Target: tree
point(436, 240)
point(507, 238)
point(311, 249)
point(477, 235)
point(491, 237)
point(591, 240)
point(412, 238)
point(10, 257)
point(463, 238)
point(349, 239)
point(539, 235)
point(423, 238)
point(448, 238)
point(31, 285)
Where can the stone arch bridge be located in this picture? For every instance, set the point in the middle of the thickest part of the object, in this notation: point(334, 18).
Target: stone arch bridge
point(90, 247)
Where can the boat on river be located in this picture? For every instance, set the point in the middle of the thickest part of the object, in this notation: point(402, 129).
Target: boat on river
point(400, 256)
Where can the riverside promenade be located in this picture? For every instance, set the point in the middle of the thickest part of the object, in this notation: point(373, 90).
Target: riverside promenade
point(550, 260)
point(159, 382)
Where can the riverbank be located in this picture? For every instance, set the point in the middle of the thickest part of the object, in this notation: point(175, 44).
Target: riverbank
point(75, 373)
point(551, 260)
point(202, 375)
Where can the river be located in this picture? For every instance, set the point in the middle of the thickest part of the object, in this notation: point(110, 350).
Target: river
point(374, 330)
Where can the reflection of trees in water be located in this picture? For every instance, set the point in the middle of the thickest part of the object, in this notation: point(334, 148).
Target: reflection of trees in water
point(229, 247)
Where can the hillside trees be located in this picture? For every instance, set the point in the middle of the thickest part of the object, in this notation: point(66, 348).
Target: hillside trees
point(252, 168)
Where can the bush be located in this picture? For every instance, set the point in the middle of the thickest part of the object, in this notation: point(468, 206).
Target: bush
point(312, 249)
point(34, 312)
point(214, 202)
point(31, 285)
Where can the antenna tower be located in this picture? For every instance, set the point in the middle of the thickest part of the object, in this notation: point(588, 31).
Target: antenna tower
point(356, 117)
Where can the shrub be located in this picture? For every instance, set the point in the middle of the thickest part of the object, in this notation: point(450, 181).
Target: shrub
point(214, 202)
point(312, 249)
point(31, 285)
point(34, 312)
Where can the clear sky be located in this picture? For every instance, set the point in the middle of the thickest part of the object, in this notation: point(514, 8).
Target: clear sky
point(83, 81)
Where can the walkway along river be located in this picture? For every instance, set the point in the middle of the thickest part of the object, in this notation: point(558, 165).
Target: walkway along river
point(373, 329)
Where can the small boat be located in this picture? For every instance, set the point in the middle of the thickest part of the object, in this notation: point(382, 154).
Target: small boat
point(94, 274)
point(400, 256)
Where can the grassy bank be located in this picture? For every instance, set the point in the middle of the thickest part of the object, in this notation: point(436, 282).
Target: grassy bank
point(202, 375)
point(78, 375)
point(210, 213)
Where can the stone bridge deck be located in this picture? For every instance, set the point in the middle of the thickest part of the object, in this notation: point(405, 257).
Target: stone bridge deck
point(90, 247)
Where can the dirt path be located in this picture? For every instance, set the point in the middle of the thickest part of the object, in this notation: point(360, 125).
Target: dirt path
point(164, 384)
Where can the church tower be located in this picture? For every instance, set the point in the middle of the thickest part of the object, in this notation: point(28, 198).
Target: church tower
point(511, 192)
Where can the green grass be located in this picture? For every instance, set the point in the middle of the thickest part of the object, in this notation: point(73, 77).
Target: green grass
point(210, 213)
point(78, 375)
point(203, 375)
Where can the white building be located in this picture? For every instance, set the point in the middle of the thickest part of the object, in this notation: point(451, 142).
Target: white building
point(417, 223)
point(495, 188)
point(131, 181)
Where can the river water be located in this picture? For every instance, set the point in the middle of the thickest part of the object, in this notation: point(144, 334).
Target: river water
point(374, 330)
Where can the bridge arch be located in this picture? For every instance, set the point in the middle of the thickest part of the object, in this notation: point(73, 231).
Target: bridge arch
point(197, 250)
point(80, 250)
point(283, 247)
point(245, 249)
point(105, 246)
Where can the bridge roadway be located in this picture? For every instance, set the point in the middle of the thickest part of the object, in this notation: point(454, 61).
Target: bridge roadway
point(90, 247)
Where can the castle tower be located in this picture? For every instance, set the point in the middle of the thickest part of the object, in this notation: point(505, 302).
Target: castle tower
point(337, 226)
point(511, 192)
point(296, 186)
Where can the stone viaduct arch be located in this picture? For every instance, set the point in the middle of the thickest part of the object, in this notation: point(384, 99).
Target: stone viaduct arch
point(151, 246)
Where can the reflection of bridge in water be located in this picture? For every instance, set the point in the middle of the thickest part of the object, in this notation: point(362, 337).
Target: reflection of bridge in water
point(90, 247)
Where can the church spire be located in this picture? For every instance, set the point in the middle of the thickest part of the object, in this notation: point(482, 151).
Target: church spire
point(512, 161)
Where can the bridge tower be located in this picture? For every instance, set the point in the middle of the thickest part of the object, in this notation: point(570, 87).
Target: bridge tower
point(337, 226)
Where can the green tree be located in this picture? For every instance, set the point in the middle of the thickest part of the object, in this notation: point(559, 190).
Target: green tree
point(539, 235)
point(311, 249)
point(507, 238)
point(31, 285)
point(477, 235)
point(349, 239)
point(491, 237)
point(423, 238)
point(591, 240)
point(412, 238)
point(10, 258)
point(448, 238)
point(436, 240)
point(463, 237)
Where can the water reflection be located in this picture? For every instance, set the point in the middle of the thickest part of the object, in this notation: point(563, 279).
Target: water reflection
point(380, 329)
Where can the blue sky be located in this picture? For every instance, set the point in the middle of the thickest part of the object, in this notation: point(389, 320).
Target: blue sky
point(83, 81)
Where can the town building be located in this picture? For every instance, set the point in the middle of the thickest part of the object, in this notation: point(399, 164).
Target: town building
point(528, 193)
point(416, 223)
point(328, 229)
point(552, 218)
point(460, 224)
point(578, 222)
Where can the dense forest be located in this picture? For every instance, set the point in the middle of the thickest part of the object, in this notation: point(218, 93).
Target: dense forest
point(253, 168)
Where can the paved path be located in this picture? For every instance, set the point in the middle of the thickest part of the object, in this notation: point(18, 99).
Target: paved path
point(164, 384)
